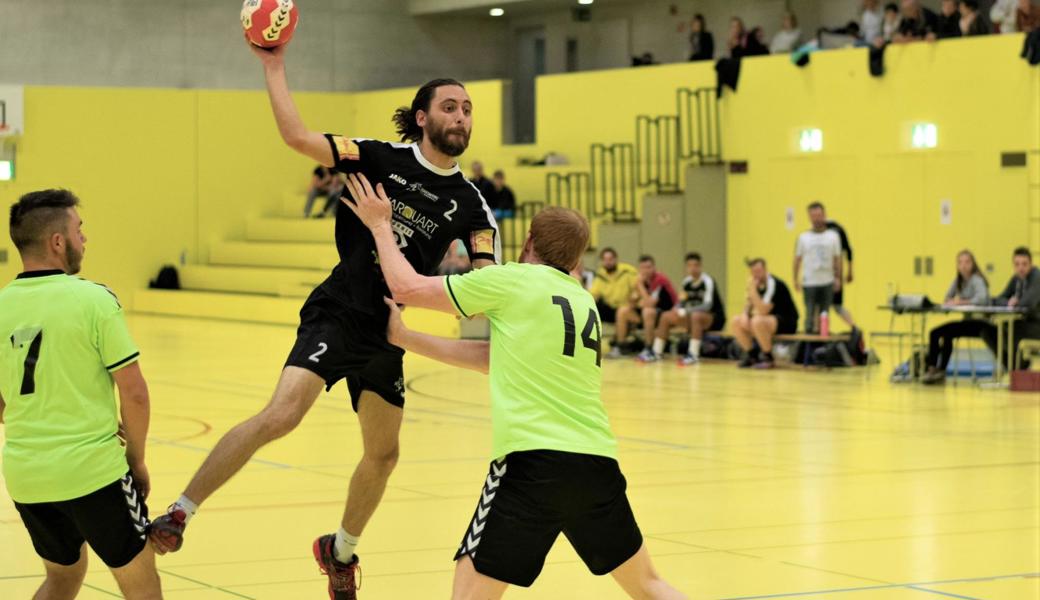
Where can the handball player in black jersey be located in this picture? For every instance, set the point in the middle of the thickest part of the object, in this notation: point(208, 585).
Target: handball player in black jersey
point(343, 322)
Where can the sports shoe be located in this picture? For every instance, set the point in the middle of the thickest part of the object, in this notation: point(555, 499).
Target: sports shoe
point(688, 361)
point(765, 363)
point(167, 531)
point(342, 582)
point(746, 363)
point(648, 356)
point(615, 353)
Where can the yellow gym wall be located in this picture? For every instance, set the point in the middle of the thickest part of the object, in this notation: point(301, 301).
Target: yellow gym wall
point(984, 100)
point(163, 172)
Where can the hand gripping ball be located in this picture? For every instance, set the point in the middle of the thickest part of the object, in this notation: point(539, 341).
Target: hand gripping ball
point(269, 23)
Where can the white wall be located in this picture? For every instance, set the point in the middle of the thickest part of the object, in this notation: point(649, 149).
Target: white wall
point(340, 45)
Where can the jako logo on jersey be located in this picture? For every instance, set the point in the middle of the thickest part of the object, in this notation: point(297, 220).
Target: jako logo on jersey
point(414, 218)
point(414, 187)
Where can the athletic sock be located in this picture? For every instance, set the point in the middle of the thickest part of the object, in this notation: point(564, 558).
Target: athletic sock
point(189, 507)
point(695, 348)
point(346, 544)
point(659, 346)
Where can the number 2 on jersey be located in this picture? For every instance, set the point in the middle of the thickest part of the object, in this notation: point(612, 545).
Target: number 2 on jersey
point(569, 330)
point(18, 341)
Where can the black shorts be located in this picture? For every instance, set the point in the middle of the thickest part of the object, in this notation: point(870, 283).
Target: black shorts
point(786, 326)
point(718, 319)
point(607, 313)
point(530, 497)
point(113, 520)
point(336, 342)
point(839, 297)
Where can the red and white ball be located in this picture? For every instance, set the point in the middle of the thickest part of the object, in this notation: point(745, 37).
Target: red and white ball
point(269, 23)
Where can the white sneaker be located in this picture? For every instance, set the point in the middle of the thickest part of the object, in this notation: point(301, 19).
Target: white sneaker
point(688, 361)
point(614, 354)
point(648, 356)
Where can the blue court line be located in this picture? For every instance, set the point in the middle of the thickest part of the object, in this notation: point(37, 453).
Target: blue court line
point(921, 589)
point(184, 446)
point(910, 585)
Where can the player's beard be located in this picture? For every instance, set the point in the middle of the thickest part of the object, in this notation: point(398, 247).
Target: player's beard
point(443, 140)
point(73, 259)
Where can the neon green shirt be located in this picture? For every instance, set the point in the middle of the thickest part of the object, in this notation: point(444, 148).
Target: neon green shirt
point(545, 355)
point(60, 337)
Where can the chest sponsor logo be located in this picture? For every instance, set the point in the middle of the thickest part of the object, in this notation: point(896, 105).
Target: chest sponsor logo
point(414, 187)
point(413, 219)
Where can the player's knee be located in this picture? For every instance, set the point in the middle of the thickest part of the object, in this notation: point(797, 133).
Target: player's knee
point(384, 460)
point(279, 421)
point(63, 585)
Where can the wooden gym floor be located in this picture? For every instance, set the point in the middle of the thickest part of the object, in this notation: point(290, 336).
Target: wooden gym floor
point(783, 484)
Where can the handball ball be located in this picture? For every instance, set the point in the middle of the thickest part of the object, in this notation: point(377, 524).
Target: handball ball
point(269, 23)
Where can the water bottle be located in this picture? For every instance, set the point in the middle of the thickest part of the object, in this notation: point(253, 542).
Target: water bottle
point(825, 324)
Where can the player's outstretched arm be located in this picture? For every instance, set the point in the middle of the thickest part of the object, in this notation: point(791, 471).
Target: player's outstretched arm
point(290, 125)
point(468, 354)
point(372, 206)
point(135, 412)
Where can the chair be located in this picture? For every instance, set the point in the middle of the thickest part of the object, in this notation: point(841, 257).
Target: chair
point(1026, 346)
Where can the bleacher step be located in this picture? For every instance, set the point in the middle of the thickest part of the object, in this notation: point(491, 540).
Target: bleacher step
point(295, 255)
point(263, 309)
point(294, 283)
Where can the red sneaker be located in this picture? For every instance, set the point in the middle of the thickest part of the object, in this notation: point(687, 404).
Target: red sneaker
point(167, 531)
point(344, 580)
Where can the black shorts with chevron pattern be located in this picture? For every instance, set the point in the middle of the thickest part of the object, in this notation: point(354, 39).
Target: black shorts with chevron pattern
point(529, 498)
point(113, 520)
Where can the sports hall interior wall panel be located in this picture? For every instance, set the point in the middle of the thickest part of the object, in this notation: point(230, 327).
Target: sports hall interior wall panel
point(341, 45)
point(163, 172)
point(983, 99)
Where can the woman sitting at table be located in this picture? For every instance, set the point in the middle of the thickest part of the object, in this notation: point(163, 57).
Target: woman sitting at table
point(970, 288)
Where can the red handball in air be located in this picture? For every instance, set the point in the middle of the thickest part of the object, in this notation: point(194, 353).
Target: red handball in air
point(269, 23)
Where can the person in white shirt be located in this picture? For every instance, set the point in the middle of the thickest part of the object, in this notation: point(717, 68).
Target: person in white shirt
point(820, 251)
point(871, 20)
point(786, 40)
point(1003, 15)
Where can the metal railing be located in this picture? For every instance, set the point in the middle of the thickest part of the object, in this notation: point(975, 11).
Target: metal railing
point(700, 130)
point(514, 230)
point(664, 146)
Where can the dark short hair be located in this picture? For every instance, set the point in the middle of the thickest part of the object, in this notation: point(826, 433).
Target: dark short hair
point(817, 204)
point(606, 250)
point(972, 4)
point(694, 256)
point(1023, 251)
point(38, 214)
point(647, 258)
point(500, 173)
point(755, 261)
point(892, 7)
point(405, 120)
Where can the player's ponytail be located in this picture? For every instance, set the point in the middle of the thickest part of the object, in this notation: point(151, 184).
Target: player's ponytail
point(405, 118)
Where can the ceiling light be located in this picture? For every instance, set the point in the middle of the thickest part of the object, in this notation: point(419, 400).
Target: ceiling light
point(496, 12)
point(585, 1)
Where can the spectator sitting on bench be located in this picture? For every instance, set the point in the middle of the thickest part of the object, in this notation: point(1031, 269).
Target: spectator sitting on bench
point(701, 309)
point(770, 311)
point(1023, 292)
point(324, 183)
point(613, 285)
point(654, 296)
point(968, 288)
